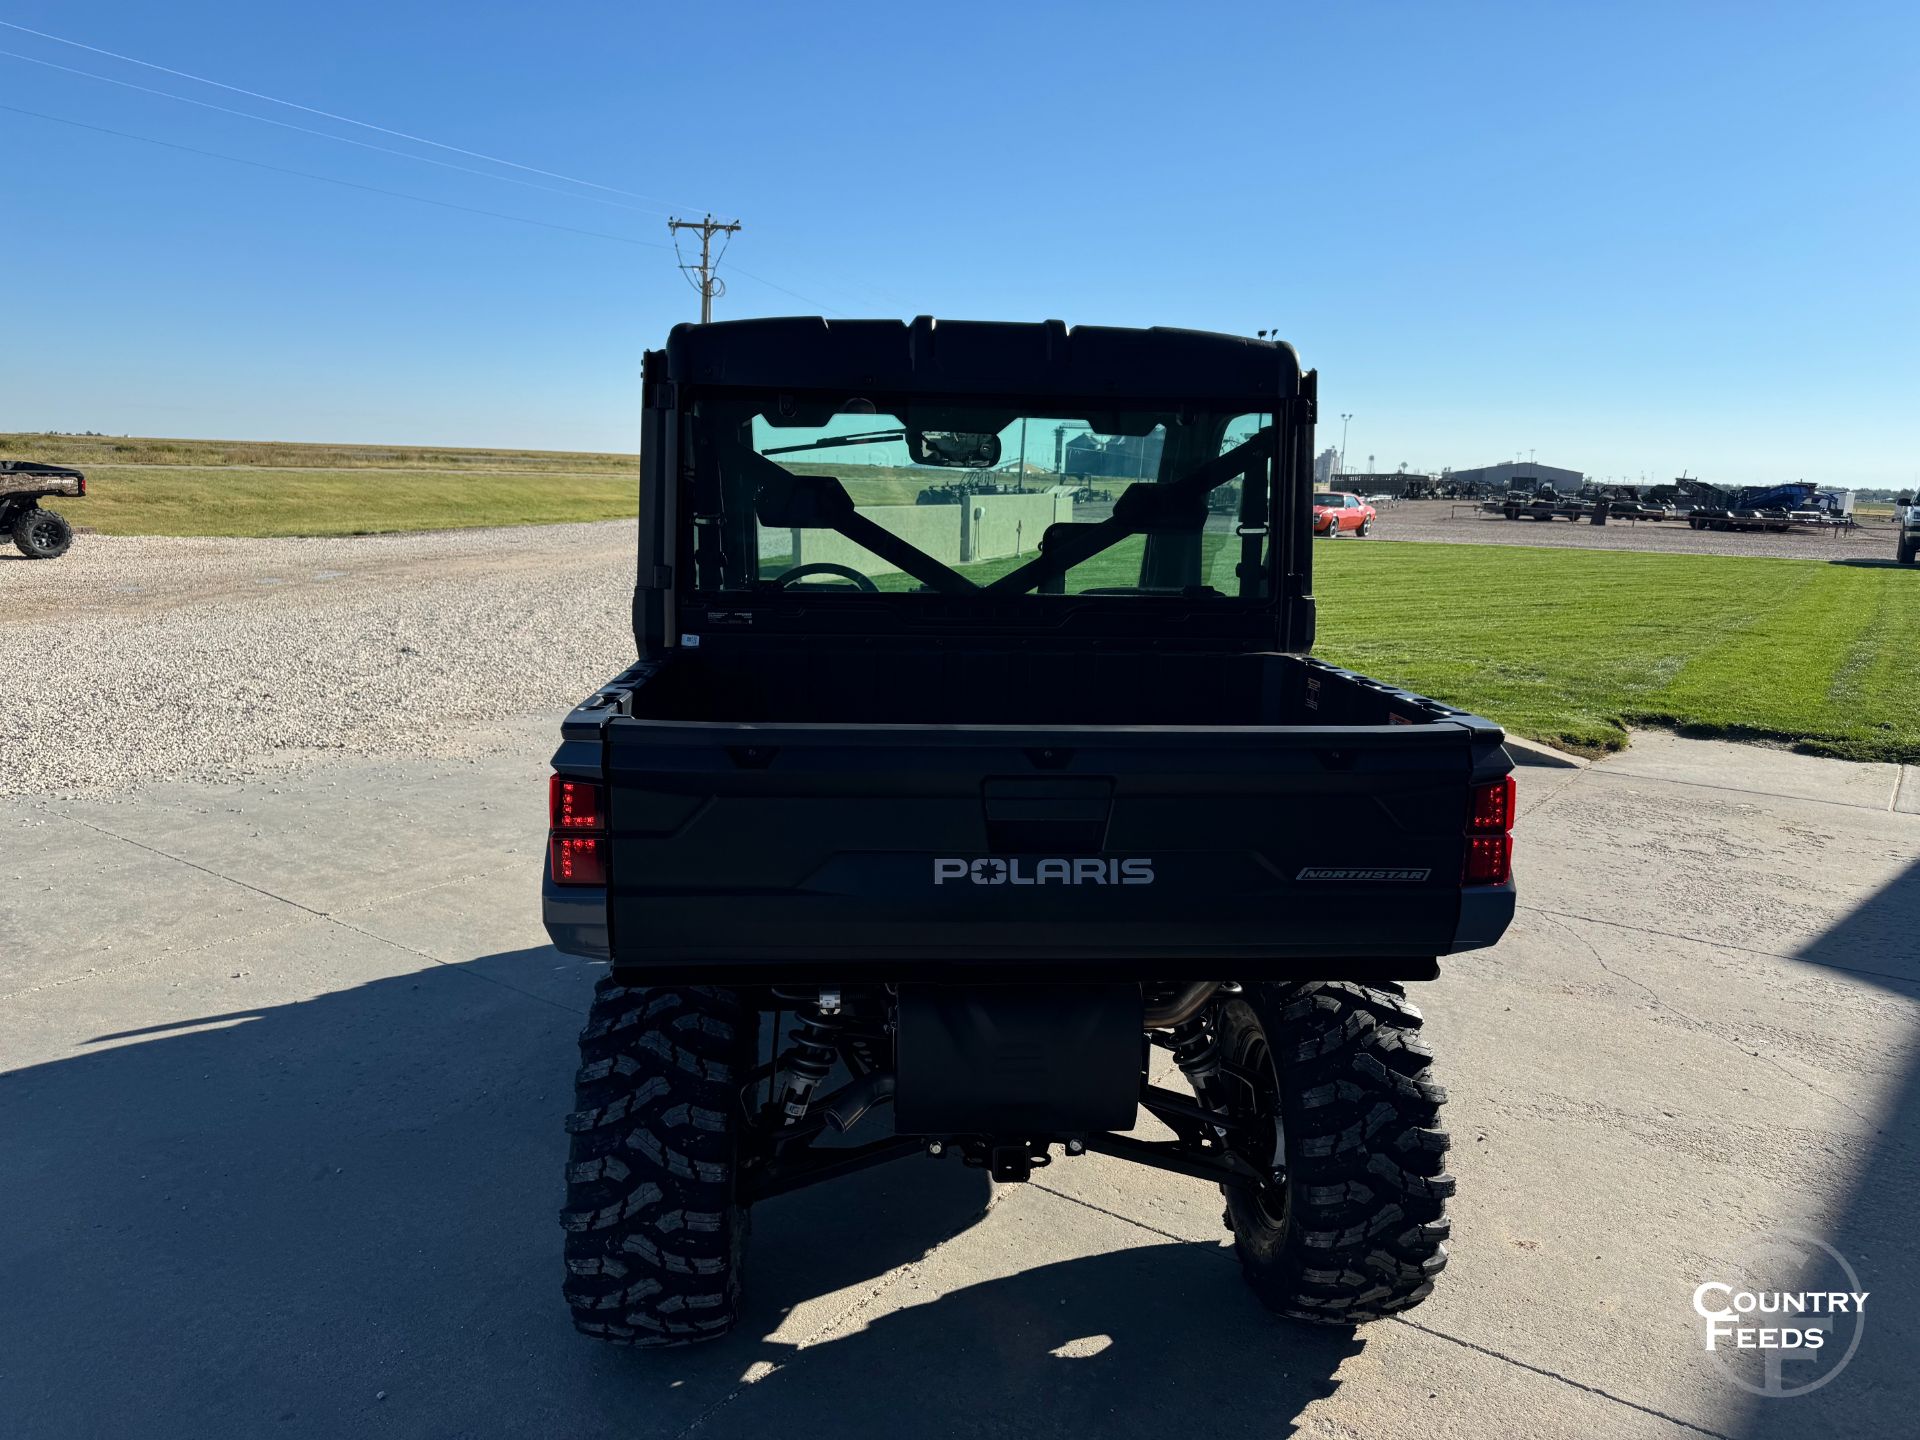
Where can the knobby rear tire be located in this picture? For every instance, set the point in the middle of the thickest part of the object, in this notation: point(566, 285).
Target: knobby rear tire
point(1362, 1224)
point(655, 1231)
point(42, 534)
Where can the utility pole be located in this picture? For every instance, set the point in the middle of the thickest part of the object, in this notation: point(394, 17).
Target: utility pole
point(1344, 419)
point(709, 284)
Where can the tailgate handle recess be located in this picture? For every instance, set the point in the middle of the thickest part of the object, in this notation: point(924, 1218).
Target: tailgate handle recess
point(1051, 816)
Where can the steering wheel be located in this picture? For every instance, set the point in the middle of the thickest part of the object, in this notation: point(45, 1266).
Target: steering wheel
point(786, 579)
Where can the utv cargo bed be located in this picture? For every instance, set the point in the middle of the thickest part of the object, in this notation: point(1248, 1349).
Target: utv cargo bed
point(1153, 816)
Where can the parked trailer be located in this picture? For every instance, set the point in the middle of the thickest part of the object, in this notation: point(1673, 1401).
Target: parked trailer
point(1619, 502)
point(1779, 508)
point(1641, 510)
point(1538, 507)
point(1721, 518)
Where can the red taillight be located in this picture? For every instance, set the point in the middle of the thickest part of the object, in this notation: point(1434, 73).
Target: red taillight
point(83, 484)
point(579, 860)
point(574, 805)
point(1489, 860)
point(576, 820)
point(1491, 806)
point(1489, 842)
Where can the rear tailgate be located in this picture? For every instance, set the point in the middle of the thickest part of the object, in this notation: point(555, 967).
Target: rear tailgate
point(771, 851)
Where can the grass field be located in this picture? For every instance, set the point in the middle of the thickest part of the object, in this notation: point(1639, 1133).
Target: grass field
point(241, 501)
point(221, 487)
point(1573, 646)
point(84, 452)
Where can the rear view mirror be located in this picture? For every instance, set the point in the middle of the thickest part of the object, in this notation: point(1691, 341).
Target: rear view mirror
point(954, 449)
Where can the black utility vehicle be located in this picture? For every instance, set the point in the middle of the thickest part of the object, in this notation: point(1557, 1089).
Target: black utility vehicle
point(40, 534)
point(968, 829)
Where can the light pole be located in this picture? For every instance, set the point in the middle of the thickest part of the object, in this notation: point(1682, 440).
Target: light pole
point(1343, 441)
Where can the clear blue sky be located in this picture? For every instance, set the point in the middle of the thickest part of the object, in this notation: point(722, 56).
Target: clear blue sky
point(1632, 237)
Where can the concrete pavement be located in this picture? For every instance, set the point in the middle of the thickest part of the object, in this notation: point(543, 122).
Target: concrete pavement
point(284, 1064)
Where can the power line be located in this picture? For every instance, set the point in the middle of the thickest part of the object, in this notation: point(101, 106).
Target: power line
point(859, 292)
point(328, 114)
point(710, 284)
point(803, 299)
point(322, 134)
point(709, 287)
point(395, 194)
point(686, 270)
point(334, 180)
point(702, 286)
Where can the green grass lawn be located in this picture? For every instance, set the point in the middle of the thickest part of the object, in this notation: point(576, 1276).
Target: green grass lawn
point(1572, 646)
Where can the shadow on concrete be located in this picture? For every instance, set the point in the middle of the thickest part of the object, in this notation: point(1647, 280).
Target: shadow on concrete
point(336, 1215)
point(1153, 1341)
point(1875, 1224)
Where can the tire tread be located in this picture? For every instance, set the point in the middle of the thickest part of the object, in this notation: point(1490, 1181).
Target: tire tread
point(1367, 1224)
point(653, 1230)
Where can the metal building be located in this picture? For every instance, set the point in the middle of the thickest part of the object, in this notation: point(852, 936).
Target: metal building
point(1519, 475)
point(1119, 457)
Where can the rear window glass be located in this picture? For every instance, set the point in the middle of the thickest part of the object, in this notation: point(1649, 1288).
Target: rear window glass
point(866, 497)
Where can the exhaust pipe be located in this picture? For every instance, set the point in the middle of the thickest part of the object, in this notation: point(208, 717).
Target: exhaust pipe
point(850, 1106)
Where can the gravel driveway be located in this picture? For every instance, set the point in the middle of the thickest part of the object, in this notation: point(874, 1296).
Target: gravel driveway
point(133, 660)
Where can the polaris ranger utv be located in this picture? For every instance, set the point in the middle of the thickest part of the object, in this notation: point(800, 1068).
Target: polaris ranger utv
point(932, 823)
point(40, 534)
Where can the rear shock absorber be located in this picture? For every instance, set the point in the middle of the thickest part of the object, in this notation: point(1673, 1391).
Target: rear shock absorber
point(1198, 1056)
point(815, 1037)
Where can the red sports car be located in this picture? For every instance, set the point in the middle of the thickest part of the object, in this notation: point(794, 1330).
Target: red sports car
point(1337, 514)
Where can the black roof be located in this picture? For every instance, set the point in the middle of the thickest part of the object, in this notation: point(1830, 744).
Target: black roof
point(982, 357)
